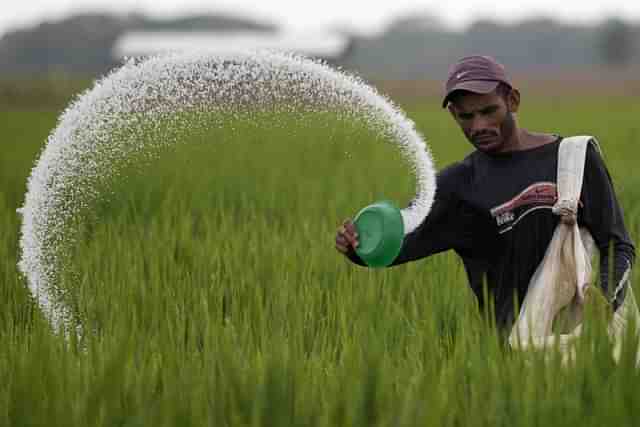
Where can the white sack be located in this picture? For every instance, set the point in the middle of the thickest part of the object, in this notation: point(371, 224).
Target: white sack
point(561, 279)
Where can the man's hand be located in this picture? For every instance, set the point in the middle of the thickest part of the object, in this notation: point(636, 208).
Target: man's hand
point(346, 237)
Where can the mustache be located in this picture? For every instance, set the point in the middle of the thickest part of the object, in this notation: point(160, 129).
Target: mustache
point(483, 133)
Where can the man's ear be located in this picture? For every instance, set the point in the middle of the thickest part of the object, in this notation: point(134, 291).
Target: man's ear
point(513, 100)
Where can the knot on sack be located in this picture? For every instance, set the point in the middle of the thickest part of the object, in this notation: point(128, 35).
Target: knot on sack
point(567, 209)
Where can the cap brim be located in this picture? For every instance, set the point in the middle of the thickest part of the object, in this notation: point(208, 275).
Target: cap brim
point(476, 86)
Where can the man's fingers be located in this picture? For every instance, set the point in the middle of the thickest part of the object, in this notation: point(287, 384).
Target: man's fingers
point(341, 248)
point(347, 239)
point(347, 236)
point(342, 244)
point(352, 234)
point(344, 241)
point(350, 227)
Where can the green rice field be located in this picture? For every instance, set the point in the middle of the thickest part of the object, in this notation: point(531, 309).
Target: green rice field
point(213, 295)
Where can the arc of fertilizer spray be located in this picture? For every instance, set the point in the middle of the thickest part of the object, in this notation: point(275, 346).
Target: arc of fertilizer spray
point(81, 152)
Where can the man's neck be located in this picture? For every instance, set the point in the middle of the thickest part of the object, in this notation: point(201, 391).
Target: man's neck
point(522, 139)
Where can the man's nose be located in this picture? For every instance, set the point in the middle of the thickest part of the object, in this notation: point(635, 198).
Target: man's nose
point(478, 124)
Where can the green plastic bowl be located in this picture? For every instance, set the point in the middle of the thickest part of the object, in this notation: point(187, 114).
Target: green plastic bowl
point(380, 233)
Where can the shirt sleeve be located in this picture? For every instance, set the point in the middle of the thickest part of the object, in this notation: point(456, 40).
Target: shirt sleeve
point(447, 226)
point(603, 217)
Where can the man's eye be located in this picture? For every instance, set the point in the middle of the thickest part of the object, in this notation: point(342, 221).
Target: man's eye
point(465, 116)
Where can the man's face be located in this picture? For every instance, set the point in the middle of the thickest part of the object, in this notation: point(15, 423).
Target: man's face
point(486, 120)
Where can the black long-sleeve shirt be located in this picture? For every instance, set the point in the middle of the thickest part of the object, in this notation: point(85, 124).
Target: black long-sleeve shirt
point(495, 212)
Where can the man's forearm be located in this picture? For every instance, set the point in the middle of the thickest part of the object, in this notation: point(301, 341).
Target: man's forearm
point(615, 272)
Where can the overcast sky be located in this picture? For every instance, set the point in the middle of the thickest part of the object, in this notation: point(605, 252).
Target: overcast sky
point(362, 15)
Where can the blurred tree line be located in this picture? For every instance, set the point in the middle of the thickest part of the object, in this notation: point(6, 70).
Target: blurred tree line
point(413, 47)
point(83, 44)
point(618, 42)
point(421, 47)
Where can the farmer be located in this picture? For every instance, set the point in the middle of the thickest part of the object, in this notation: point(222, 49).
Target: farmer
point(494, 208)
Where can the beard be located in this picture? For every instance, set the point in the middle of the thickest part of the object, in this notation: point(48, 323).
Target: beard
point(508, 127)
point(491, 141)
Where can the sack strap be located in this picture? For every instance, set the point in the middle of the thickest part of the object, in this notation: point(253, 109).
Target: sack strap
point(571, 158)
